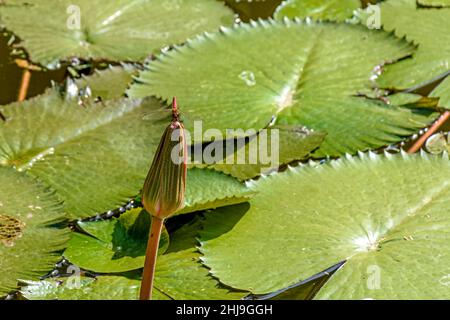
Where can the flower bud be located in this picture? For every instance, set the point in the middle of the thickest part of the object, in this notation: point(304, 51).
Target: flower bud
point(165, 185)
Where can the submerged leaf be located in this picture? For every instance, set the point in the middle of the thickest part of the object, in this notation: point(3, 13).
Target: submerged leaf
point(28, 240)
point(121, 30)
point(301, 73)
point(386, 215)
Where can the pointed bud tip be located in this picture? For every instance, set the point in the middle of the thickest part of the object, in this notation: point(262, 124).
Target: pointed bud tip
point(175, 113)
point(174, 104)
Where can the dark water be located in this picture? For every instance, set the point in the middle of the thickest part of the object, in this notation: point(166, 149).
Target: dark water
point(255, 9)
point(11, 74)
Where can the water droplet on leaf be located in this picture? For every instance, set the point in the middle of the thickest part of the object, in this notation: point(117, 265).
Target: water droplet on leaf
point(248, 77)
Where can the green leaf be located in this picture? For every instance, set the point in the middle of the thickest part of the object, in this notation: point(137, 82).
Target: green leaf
point(413, 100)
point(28, 241)
point(179, 273)
point(302, 73)
point(334, 10)
point(430, 60)
point(94, 156)
point(206, 189)
point(107, 84)
point(97, 156)
point(85, 288)
point(121, 30)
point(386, 215)
point(115, 245)
point(292, 143)
point(442, 91)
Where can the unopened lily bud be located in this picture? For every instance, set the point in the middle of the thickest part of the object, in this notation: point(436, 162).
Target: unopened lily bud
point(165, 186)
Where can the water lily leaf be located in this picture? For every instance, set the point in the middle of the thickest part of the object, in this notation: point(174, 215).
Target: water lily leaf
point(179, 273)
point(86, 288)
point(80, 151)
point(115, 245)
point(442, 91)
point(290, 143)
point(302, 73)
point(413, 100)
point(434, 3)
point(117, 32)
point(386, 215)
point(207, 189)
point(28, 242)
point(96, 156)
point(107, 84)
point(334, 10)
point(430, 60)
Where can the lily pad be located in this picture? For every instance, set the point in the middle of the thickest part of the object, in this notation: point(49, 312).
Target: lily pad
point(290, 143)
point(29, 243)
point(207, 189)
point(300, 73)
point(385, 215)
point(115, 245)
point(107, 84)
point(179, 273)
point(413, 100)
point(442, 91)
point(431, 60)
point(86, 288)
point(96, 156)
point(122, 30)
point(334, 10)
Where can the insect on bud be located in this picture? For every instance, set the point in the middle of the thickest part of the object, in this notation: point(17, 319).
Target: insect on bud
point(165, 185)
